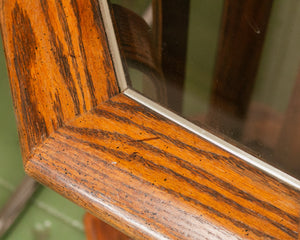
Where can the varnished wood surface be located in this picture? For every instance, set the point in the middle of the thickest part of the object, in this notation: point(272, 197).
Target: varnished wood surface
point(131, 167)
point(58, 62)
point(163, 184)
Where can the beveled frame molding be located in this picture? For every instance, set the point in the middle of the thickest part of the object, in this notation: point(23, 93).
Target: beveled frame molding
point(130, 166)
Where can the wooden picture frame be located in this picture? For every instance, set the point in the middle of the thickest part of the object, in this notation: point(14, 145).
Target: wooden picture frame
point(89, 139)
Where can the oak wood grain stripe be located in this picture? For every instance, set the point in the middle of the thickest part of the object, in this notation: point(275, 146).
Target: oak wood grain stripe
point(191, 184)
point(178, 143)
point(60, 57)
point(187, 141)
point(134, 198)
point(193, 171)
point(114, 145)
point(58, 61)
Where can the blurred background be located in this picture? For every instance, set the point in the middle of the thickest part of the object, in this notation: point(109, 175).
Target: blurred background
point(48, 215)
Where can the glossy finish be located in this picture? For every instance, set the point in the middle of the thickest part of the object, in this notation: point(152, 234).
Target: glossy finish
point(58, 62)
point(161, 183)
point(131, 167)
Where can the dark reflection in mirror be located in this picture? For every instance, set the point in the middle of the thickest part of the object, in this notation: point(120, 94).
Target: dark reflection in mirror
point(231, 67)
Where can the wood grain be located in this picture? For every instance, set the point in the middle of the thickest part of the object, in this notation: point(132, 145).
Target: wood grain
point(164, 184)
point(58, 62)
point(134, 169)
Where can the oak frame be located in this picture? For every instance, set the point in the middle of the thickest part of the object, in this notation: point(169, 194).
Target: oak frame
point(127, 164)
